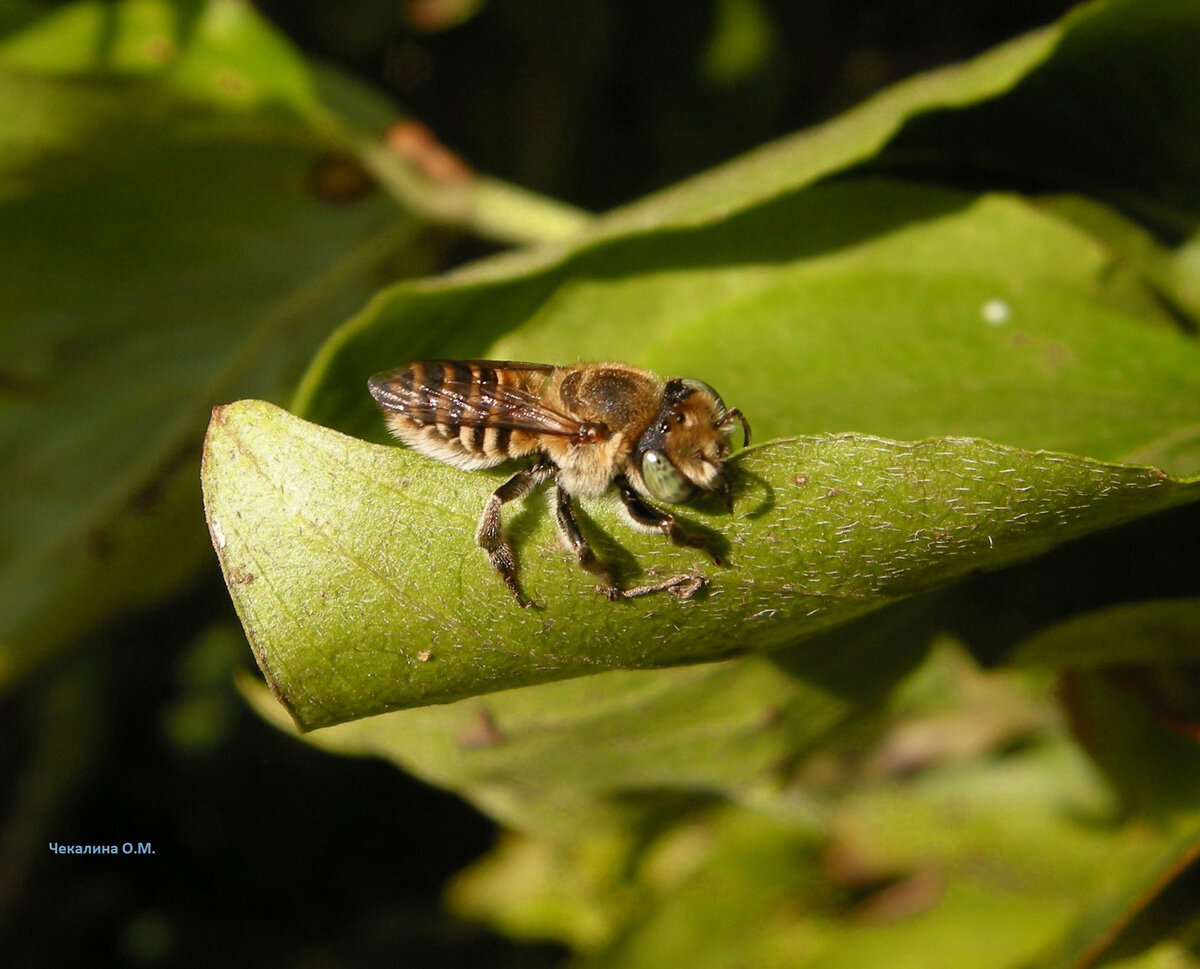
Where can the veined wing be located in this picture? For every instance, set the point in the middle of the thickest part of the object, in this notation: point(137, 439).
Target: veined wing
point(478, 393)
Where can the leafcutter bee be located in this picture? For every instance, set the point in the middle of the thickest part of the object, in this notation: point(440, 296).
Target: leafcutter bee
point(588, 428)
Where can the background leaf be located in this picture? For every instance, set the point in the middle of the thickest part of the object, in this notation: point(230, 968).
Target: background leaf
point(1078, 118)
point(1145, 634)
point(880, 306)
point(855, 840)
point(1128, 928)
point(166, 245)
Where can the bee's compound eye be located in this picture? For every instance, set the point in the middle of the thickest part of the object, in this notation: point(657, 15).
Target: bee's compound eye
point(663, 480)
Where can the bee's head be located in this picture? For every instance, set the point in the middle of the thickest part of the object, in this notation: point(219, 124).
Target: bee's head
point(683, 451)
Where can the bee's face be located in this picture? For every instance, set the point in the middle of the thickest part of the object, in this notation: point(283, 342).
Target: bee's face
point(683, 451)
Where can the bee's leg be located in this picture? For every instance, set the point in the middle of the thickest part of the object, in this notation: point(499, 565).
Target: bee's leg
point(490, 534)
point(570, 535)
point(648, 517)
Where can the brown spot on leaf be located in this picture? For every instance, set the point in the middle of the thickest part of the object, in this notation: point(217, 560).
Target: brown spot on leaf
point(800, 480)
point(338, 179)
point(846, 867)
point(240, 575)
point(481, 732)
point(99, 545)
point(430, 16)
point(1057, 353)
point(903, 898)
point(160, 48)
point(879, 894)
point(233, 83)
point(1053, 354)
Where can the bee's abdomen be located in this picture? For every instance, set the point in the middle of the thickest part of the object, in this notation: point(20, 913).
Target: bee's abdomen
point(448, 409)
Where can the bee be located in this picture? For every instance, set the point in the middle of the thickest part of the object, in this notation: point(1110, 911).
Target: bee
point(589, 428)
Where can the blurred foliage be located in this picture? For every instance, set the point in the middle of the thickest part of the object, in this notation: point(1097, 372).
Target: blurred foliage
point(991, 769)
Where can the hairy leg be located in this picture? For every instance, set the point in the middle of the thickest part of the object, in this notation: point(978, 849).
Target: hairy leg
point(570, 535)
point(490, 534)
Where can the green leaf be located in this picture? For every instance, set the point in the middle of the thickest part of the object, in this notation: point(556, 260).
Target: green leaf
point(743, 41)
point(659, 742)
point(1155, 900)
point(1157, 633)
point(1132, 690)
point(1027, 85)
point(984, 865)
point(873, 304)
point(872, 851)
point(879, 306)
point(164, 248)
point(353, 570)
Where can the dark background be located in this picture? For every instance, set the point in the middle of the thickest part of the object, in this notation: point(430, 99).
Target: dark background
point(265, 847)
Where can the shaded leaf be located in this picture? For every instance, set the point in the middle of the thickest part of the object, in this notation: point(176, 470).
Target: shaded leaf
point(1112, 114)
point(164, 248)
point(994, 613)
point(659, 742)
point(1128, 722)
point(353, 570)
point(1157, 633)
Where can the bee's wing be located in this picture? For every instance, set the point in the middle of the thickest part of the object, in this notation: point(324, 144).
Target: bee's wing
point(474, 393)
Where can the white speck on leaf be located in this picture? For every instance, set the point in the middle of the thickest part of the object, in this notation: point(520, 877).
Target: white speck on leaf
point(995, 312)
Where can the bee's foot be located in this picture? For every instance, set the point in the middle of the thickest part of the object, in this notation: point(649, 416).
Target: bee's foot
point(682, 586)
point(687, 586)
point(522, 600)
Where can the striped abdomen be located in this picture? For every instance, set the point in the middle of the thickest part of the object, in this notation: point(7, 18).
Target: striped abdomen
point(469, 413)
